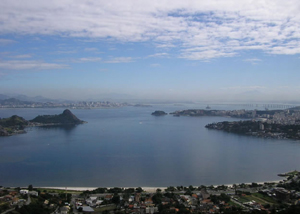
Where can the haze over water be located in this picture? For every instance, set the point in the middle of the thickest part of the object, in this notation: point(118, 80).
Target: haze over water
point(129, 147)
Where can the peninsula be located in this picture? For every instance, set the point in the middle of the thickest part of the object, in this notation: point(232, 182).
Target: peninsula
point(258, 129)
point(16, 125)
point(279, 124)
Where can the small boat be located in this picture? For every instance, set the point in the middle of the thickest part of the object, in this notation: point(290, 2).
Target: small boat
point(207, 107)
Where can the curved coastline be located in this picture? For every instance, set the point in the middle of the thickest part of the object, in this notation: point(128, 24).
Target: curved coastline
point(146, 189)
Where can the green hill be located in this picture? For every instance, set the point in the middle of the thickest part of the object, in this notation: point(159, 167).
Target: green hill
point(11, 125)
point(67, 117)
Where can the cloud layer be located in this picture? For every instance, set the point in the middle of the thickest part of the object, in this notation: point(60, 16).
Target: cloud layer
point(201, 30)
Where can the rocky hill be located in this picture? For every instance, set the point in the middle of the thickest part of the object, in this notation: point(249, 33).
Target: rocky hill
point(16, 124)
point(67, 117)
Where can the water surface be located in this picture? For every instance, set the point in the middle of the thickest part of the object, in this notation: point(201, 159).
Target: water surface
point(129, 147)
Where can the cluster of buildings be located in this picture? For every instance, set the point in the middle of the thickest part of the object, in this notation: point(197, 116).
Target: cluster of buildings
point(266, 197)
point(15, 103)
point(16, 197)
point(199, 200)
point(287, 117)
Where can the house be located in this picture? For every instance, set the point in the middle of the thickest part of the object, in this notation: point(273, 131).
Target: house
point(64, 210)
point(151, 210)
point(87, 209)
point(13, 193)
point(24, 191)
point(8, 198)
point(33, 193)
point(282, 194)
point(108, 197)
point(15, 201)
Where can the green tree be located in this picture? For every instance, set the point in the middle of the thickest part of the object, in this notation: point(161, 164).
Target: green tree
point(30, 187)
point(116, 199)
point(139, 190)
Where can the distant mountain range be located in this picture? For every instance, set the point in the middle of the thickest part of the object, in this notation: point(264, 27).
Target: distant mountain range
point(14, 101)
point(22, 97)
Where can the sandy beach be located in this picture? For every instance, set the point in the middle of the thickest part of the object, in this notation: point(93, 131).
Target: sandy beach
point(146, 189)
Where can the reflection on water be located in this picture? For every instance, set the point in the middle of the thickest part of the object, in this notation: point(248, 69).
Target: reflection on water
point(129, 147)
point(66, 128)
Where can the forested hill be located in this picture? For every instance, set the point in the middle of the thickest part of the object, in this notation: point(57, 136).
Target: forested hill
point(67, 117)
point(16, 124)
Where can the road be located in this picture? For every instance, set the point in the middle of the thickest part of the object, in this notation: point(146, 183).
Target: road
point(28, 200)
point(7, 211)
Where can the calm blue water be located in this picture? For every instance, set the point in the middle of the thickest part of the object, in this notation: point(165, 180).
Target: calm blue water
point(129, 147)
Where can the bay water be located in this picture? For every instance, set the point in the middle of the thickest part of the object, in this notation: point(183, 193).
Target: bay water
point(128, 147)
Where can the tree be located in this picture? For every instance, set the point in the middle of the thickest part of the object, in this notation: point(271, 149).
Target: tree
point(116, 199)
point(30, 187)
point(157, 198)
point(139, 190)
point(191, 188)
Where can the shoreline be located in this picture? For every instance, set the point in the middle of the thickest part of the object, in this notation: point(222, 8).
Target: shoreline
point(146, 189)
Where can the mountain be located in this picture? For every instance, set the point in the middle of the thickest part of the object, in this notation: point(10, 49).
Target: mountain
point(3, 97)
point(67, 117)
point(14, 101)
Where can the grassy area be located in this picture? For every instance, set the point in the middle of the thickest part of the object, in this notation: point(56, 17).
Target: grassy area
point(243, 199)
point(108, 208)
point(260, 198)
point(265, 198)
point(231, 203)
point(59, 191)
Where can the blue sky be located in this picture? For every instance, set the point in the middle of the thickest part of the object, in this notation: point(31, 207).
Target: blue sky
point(174, 50)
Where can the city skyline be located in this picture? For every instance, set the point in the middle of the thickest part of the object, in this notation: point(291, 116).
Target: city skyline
point(164, 50)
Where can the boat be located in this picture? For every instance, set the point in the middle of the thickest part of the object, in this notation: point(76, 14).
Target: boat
point(207, 107)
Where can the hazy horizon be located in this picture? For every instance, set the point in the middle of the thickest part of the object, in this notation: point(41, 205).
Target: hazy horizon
point(151, 50)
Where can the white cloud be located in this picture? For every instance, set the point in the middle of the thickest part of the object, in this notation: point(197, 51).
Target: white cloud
point(158, 55)
point(6, 41)
point(217, 28)
point(88, 59)
point(24, 56)
point(155, 65)
point(244, 88)
point(253, 61)
point(119, 60)
point(66, 52)
point(91, 49)
point(29, 64)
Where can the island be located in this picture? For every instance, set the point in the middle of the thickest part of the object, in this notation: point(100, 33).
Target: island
point(16, 125)
point(159, 113)
point(67, 117)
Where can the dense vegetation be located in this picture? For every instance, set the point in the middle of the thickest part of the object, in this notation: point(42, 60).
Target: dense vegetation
point(159, 113)
point(65, 118)
point(254, 128)
point(12, 124)
point(16, 124)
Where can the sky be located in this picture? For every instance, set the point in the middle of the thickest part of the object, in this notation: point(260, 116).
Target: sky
point(160, 49)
